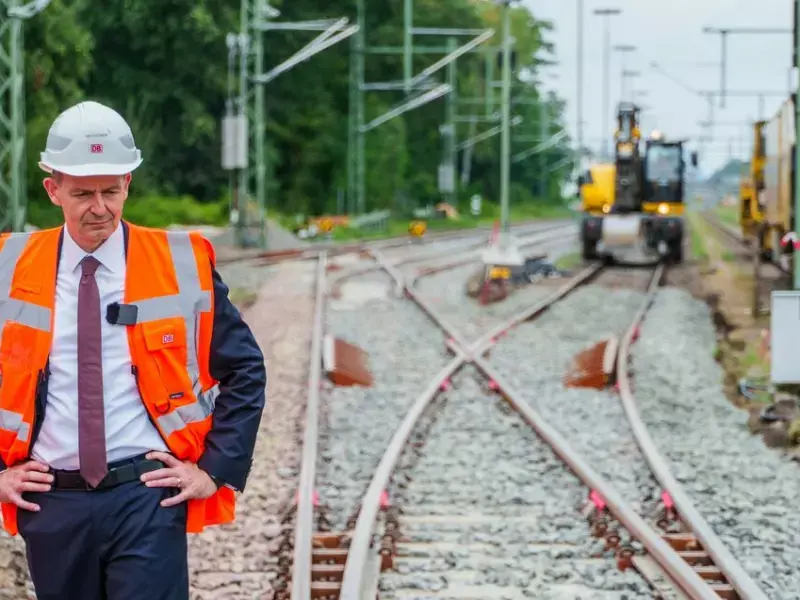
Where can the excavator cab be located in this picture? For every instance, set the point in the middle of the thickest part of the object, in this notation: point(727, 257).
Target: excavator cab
point(647, 214)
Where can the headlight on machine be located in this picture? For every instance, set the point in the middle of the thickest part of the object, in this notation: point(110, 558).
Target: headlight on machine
point(625, 150)
point(606, 208)
point(663, 208)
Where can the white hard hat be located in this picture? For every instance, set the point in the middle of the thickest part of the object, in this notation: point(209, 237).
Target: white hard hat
point(90, 139)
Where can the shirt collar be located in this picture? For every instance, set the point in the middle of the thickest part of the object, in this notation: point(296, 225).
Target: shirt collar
point(110, 254)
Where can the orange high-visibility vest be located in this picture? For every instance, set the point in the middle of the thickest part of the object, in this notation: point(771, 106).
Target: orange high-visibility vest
point(169, 280)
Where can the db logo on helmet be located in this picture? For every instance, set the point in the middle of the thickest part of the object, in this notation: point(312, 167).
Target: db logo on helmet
point(96, 148)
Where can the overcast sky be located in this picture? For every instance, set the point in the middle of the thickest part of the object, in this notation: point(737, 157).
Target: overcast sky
point(670, 33)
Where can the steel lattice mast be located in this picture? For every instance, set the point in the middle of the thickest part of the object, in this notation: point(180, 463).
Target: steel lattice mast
point(244, 129)
point(13, 197)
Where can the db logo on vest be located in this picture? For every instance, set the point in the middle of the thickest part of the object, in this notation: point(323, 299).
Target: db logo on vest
point(168, 338)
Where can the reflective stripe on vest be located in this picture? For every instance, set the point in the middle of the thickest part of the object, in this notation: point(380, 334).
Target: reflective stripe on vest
point(187, 304)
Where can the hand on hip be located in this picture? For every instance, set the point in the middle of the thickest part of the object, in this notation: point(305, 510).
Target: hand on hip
point(193, 482)
point(31, 476)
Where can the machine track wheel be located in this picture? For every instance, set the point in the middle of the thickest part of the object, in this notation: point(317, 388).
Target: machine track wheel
point(589, 250)
point(677, 254)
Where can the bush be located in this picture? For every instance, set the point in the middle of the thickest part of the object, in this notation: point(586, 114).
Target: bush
point(148, 211)
point(158, 211)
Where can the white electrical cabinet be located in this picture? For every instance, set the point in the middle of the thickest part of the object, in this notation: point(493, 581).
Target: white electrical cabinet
point(785, 337)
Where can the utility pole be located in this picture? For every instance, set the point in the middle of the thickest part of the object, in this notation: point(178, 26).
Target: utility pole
point(606, 13)
point(246, 131)
point(623, 49)
point(544, 126)
point(419, 89)
point(724, 32)
point(505, 105)
point(579, 86)
point(13, 183)
point(626, 74)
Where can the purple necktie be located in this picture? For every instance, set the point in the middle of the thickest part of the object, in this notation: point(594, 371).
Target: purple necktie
point(91, 416)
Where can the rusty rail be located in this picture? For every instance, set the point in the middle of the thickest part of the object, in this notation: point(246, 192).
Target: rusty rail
point(538, 237)
point(723, 559)
point(682, 574)
point(304, 520)
point(333, 249)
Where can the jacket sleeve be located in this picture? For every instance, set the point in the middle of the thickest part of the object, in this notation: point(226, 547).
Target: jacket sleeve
point(237, 363)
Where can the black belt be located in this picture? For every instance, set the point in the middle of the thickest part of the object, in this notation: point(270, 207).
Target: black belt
point(117, 475)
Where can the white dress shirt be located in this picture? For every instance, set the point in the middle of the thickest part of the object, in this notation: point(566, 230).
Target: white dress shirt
point(129, 430)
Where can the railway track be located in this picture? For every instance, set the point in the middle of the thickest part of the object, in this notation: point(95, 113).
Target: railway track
point(313, 251)
point(677, 552)
point(735, 240)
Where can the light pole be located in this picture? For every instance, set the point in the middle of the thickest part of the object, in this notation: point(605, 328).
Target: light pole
point(505, 159)
point(579, 99)
point(723, 32)
point(626, 74)
point(606, 13)
point(623, 49)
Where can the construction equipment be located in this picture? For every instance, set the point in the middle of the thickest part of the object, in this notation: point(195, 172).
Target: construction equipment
point(648, 203)
point(751, 209)
point(597, 188)
point(776, 198)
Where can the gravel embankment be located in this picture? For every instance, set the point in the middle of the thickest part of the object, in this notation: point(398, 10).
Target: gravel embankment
point(746, 491)
point(535, 357)
point(405, 352)
point(447, 292)
point(490, 512)
point(238, 561)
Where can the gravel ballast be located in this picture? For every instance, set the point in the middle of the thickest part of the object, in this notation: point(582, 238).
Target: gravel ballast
point(405, 352)
point(535, 357)
point(490, 512)
point(747, 492)
point(447, 292)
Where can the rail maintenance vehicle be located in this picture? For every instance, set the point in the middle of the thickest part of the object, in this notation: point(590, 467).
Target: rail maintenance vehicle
point(647, 211)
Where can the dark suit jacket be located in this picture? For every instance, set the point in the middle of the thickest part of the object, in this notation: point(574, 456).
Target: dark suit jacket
point(237, 363)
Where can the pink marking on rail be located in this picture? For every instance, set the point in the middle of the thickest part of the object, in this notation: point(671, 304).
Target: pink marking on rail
point(597, 500)
point(669, 503)
point(385, 499)
point(493, 385)
point(445, 386)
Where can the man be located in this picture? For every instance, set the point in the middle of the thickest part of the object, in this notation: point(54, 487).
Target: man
point(131, 390)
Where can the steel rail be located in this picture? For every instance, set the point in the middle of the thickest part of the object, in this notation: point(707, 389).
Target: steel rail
point(723, 559)
point(743, 242)
point(538, 237)
point(679, 570)
point(333, 249)
point(304, 520)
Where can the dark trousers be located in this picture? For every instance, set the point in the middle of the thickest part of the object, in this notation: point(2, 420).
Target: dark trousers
point(113, 544)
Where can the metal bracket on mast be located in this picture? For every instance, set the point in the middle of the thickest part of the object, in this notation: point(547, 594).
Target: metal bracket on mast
point(244, 133)
point(13, 184)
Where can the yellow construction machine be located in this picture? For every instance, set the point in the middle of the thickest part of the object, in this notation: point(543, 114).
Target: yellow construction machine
point(597, 188)
point(776, 198)
point(646, 211)
point(751, 187)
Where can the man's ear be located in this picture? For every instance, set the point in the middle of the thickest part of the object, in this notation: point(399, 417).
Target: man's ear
point(51, 187)
point(127, 179)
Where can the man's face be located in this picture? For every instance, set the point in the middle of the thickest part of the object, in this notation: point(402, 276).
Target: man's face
point(92, 205)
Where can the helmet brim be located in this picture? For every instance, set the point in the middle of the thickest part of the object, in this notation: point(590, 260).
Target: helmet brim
point(90, 170)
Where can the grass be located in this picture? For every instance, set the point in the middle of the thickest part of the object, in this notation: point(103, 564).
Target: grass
point(728, 214)
point(568, 261)
point(490, 213)
point(698, 232)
